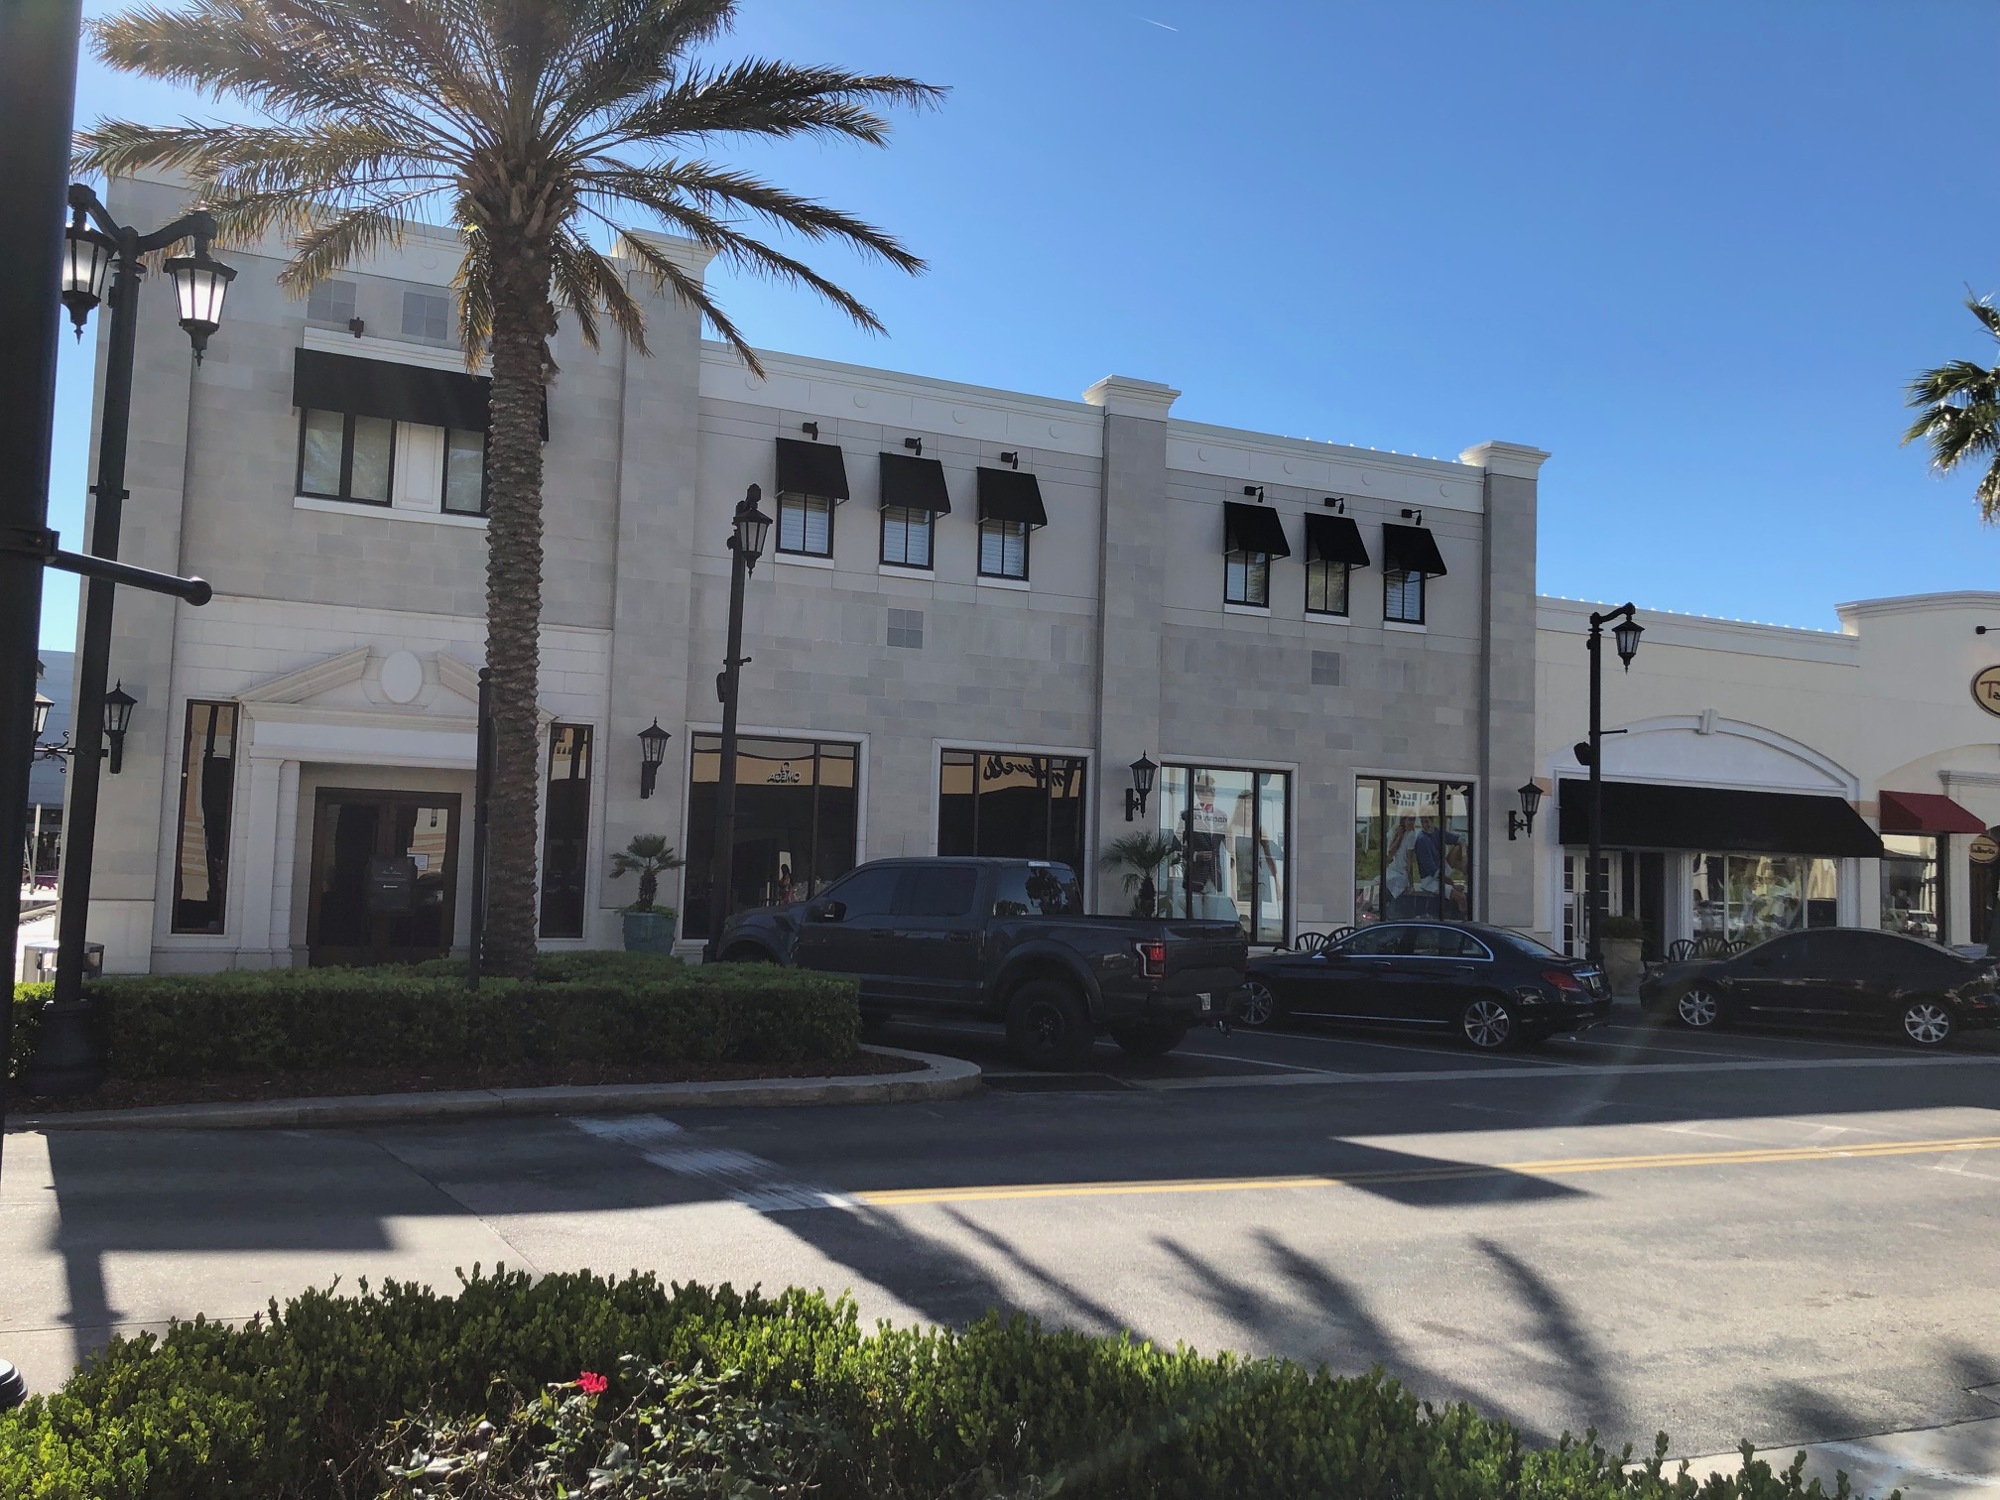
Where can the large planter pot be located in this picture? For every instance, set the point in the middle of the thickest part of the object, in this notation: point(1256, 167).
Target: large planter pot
point(648, 932)
point(1623, 966)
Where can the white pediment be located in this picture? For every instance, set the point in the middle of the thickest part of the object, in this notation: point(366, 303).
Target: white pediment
point(374, 680)
point(1708, 750)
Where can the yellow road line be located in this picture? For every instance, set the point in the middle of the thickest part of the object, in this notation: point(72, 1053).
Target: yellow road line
point(903, 1197)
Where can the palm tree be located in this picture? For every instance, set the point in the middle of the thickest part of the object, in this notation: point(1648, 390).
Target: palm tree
point(1960, 414)
point(541, 128)
point(647, 856)
point(1141, 856)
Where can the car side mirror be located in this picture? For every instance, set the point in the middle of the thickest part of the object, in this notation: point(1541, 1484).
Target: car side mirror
point(826, 911)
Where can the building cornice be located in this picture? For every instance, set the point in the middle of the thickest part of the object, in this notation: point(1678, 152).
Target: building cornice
point(1910, 604)
point(1702, 633)
point(1514, 460)
point(1123, 396)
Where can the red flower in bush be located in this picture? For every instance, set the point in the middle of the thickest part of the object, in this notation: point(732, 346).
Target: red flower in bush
point(591, 1383)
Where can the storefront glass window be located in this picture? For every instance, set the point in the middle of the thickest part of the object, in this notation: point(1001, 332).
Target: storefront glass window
point(1412, 850)
point(565, 830)
point(1750, 897)
point(1007, 805)
point(797, 802)
point(1231, 829)
point(208, 780)
point(1911, 893)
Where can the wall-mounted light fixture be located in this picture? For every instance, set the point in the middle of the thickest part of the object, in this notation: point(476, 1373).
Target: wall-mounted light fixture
point(1011, 460)
point(652, 750)
point(118, 706)
point(1413, 515)
point(1337, 505)
point(1143, 771)
point(1524, 820)
point(915, 445)
point(810, 429)
point(356, 327)
point(1255, 491)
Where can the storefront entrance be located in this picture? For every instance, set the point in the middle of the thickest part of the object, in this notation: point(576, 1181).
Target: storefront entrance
point(383, 876)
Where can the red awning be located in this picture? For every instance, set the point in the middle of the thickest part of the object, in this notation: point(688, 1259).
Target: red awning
point(1926, 812)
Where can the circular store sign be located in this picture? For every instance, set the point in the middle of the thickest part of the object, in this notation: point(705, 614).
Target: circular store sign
point(1983, 850)
point(1986, 690)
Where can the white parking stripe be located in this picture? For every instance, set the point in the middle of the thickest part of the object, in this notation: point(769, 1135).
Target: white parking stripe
point(749, 1180)
point(1577, 1070)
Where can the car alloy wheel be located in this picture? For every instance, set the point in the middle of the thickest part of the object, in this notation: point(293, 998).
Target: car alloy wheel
point(1927, 1023)
point(1259, 1007)
point(1488, 1025)
point(1698, 1008)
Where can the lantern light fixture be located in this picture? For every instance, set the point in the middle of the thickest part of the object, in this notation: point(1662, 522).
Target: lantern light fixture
point(753, 528)
point(1627, 636)
point(201, 282)
point(1143, 772)
point(43, 703)
point(118, 706)
point(86, 267)
point(652, 750)
point(1524, 820)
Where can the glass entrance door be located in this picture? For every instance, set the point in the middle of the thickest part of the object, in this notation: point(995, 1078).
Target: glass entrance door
point(384, 884)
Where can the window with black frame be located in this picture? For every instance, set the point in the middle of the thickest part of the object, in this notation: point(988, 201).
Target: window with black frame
point(812, 481)
point(1006, 804)
point(1231, 862)
point(797, 814)
point(207, 789)
point(1410, 559)
point(565, 830)
point(1334, 549)
point(464, 472)
point(1252, 535)
point(913, 497)
point(1010, 509)
point(346, 457)
point(1412, 850)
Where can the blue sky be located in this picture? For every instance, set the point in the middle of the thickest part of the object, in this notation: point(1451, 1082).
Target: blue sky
point(1695, 250)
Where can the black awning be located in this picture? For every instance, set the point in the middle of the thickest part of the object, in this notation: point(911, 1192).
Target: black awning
point(914, 484)
point(1334, 539)
point(811, 469)
point(1007, 495)
point(1253, 528)
point(1715, 820)
point(1410, 549)
point(383, 388)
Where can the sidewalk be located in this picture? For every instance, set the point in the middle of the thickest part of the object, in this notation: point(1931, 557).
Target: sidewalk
point(940, 1078)
point(1957, 1462)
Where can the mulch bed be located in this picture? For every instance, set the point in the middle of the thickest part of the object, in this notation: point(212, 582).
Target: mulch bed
point(235, 1088)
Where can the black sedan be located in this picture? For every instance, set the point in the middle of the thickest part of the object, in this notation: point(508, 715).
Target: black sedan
point(1491, 986)
point(1835, 977)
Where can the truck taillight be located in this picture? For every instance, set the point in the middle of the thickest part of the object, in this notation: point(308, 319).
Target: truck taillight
point(1152, 959)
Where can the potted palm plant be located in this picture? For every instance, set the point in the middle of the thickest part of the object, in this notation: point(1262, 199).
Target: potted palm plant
point(649, 927)
point(1142, 857)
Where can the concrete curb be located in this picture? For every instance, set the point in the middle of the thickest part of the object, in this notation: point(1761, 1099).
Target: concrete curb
point(941, 1078)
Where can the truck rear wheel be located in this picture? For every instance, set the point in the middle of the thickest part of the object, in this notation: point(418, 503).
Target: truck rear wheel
point(1149, 1038)
point(1047, 1026)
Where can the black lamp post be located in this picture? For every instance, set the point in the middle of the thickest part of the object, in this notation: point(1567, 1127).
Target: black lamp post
point(1143, 772)
point(97, 248)
point(746, 545)
point(652, 750)
point(1626, 634)
point(1524, 820)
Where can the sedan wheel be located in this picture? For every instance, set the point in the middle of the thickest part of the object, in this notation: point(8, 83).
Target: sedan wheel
point(1927, 1023)
point(1488, 1025)
point(1259, 1007)
point(1698, 1008)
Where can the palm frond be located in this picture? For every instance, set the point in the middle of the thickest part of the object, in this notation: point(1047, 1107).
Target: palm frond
point(665, 275)
point(780, 100)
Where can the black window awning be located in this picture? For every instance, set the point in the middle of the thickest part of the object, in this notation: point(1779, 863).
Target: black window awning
point(1253, 528)
point(1715, 820)
point(1410, 549)
point(383, 388)
point(1335, 539)
point(913, 483)
point(811, 469)
point(1008, 495)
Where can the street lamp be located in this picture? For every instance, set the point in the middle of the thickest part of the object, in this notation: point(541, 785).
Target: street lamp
point(1143, 771)
point(1626, 636)
point(1524, 820)
point(97, 247)
point(747, 535)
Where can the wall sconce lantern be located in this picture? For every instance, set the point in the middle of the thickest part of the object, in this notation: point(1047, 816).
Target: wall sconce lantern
point(1524, 820)
point(1012, 460)
point(1143, 771)
point(43, 704)
point(118, 706)
point(652, 750)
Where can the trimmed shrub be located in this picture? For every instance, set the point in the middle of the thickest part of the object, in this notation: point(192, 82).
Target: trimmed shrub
point(28, 1002)
point(305, 1404)
point(589, 1008)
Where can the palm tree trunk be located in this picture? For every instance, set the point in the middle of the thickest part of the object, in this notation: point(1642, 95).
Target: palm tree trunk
point(523, 318)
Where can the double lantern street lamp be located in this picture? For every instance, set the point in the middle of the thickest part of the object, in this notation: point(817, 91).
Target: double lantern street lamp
point(102, 264)
point(749, 531)
point(118, 706)
point(1625, 632)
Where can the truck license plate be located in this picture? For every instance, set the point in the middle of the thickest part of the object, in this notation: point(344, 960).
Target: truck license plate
point(1207, 1002)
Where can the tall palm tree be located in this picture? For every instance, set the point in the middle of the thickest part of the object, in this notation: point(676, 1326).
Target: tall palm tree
point(1959, 412)
point(539, 128)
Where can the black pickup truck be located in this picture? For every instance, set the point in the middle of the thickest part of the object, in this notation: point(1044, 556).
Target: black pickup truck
point(1007, 939)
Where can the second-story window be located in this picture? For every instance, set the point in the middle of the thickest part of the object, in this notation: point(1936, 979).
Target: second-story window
point(464, 472)
point(1251, 536)
point(346, 457)
point(426, 315)
point(913, 497)
point(1326, 586)
point(331, 302)
point(906, 537)
point(1003, 549)
point(1402, 596)
point(812, 480)
point(1246, 578)
point(1334, 549)
point(1010, 507)
point(805, 525)
point(1410, 559)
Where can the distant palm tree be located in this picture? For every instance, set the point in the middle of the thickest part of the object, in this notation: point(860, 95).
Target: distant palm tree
point(535, 127)
point(647, 856)
point(1141, 856)
point(1960, 414)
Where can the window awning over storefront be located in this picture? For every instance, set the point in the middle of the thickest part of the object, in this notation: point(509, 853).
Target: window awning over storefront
point(1335, 539)
point(1411, 549)
point(1253, 528)
point(811, 469)
point(383, 388)
point(1654, 815)
point(912, 483)
point(1926, 812)
point(1008, 495)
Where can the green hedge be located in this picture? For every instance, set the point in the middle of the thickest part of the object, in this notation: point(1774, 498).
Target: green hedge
point(584, 1007)
point(300, 1405)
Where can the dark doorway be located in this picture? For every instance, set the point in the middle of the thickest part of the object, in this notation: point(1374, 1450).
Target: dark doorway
point(1984, 892)
point(384, 884)
point(1652, 907)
